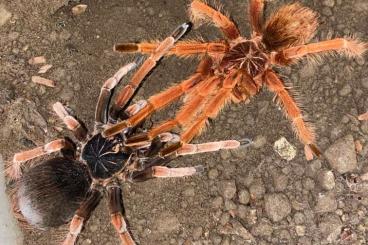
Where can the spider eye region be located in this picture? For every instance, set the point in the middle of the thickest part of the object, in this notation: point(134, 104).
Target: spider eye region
point(246, 55)
point(103, 156)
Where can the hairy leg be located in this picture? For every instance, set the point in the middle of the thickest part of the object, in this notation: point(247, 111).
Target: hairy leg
point(199, 12)
point(14, 171)
point(303, 130)
point(81, 215)
point(102, 107)
point(211, 110)
point(256, 16)
point(162, 99)
point(184, 116)
point(117, 219)
point(165, 172)
point(348, 47)
point(127, 92)
point(79, 131)
point(181, 49)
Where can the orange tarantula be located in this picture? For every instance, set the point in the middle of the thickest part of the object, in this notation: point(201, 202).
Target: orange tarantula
point(234, 70)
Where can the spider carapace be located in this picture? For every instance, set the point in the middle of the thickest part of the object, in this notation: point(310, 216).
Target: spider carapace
point(247, 56)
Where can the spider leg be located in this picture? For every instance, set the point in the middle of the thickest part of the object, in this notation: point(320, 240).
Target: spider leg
point(191, 149)
point(128, 91)
point(199, 12)
point(117, 219)
point(349, 47)
point(183, 117)
point(101, 113)
point(363, 117)
point(256, 8)
point(211, 110)
point(181, 48)
point(303, 130)
point(14, 171)
point(81, 215)
point(79, 131)
point(164, 172)
point(162, 99)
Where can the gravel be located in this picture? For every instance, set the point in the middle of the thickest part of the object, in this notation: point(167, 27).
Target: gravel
point(342, 156)
point(277, 206)
point(326, 202)
point(326, 179)
point(227, 189)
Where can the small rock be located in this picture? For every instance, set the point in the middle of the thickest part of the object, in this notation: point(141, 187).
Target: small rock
point(217, 202)
point(37, 60)
point(244, 197)
point(262, 228)
point(213, 174)
point(166, 222)
point(277, 206)
point(330, 227)
point(229, 205)
point(197, 233)
point(284, 149)
point(342, 156)
point(280, 181)
point(326, 179)
point(257, 190)
point(44, 69)
point(79, 9)
point(346, 90)
point(259, 141)
point(326, 202)
point(236, 228)
point(4, 15)
point(227, 188)
point(329, 3)
point(189, 192)
point(43, 81)
point(364, 82)
point(300, 230)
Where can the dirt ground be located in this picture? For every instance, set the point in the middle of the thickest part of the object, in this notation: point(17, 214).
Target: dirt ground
point(250, 196)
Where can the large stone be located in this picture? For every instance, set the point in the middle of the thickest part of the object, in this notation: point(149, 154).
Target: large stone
point(342, 156)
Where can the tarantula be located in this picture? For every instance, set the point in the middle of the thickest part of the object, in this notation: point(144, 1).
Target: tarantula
point(234, 70)
point(80, 176)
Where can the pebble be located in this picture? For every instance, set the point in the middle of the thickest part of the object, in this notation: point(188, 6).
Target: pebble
point(263, 228)
point(244, 197)
point(346, 90)
point(236, 228)
point(227, 188)
point(364, 82)
point(189, 192)
point(259, 141)
point(326, 202)
point(326, 179)
point(257, 189)
point(329, 3)
point(197, 233)
point(277, 206)
point(280, 181)
point(229, 205)
point(217, 202)
point(213, 174)
point(330, 227)
point(342, 155)
point(4, 15)
point(286, 150)
point(166, 222)
point(300, 230)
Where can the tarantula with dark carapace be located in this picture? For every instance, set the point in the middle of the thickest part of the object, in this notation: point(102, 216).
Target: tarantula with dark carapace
point(235, 69)
point(68, 188)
